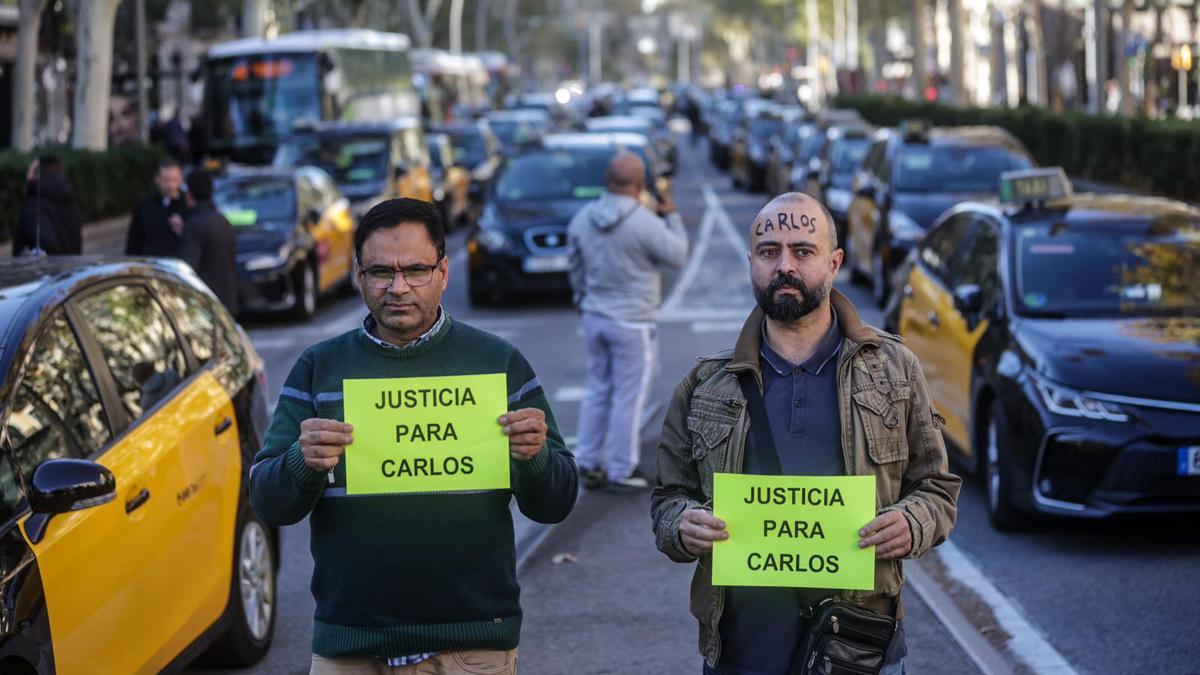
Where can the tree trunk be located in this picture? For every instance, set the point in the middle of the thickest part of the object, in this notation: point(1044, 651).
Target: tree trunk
point(420, 27)
point(511, 39)
point(254, 17)
point(954, 10)
point(1038, 88)
point(94, 49)
point(1123, 78)
point(918, 44)
point(482, 18)
point(24, 73)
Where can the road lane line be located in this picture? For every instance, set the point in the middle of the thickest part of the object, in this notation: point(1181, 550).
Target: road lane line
point(730, 232)
point(731, 326)
point(1026, 644)
point(569, 394)
point(987, 658)
point(707, 224)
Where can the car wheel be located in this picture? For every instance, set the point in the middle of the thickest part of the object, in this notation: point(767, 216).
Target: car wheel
point(998, 476)
point(880, 288)
point(252, 607)
point(306, 293)
point(480, 295)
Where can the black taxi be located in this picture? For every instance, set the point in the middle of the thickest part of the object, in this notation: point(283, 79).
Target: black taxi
point(131, 406)
point(1060, 335)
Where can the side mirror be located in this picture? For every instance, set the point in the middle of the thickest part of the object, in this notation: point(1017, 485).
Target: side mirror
point(314, 216)
point(668, 171)
point(968, 299)
point(866, 190)
point(65, 485)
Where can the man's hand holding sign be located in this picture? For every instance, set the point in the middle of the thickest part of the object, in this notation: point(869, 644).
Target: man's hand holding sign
point(324, 441)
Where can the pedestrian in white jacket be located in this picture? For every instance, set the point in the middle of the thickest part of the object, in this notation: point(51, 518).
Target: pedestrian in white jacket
point(618, 249)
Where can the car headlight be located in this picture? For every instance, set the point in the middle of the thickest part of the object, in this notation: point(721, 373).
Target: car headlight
point(904, 227)
point(492, 240)
point(266, 261)
point(838, 199)
point(1071, 403)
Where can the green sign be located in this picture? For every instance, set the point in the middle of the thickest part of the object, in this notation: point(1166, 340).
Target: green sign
point(240, 217)
point(793, 531)
point(426, 434)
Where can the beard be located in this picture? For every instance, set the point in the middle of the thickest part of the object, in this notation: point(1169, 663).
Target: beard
point(786, 308)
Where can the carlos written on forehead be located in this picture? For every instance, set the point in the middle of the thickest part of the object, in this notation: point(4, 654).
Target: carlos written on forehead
point(794, 212)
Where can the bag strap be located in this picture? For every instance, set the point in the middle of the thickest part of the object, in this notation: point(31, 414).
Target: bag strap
point(764, 440)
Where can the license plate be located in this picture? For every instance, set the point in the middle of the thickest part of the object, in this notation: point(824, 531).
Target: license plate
point(1189, 461)
point(554, 263)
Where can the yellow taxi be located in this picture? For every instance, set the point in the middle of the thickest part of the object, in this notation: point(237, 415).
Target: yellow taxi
point(131, 407)
point(452, 182)
point(294, 237)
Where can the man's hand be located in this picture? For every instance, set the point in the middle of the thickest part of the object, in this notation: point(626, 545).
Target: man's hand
point(323, 442)
point(665, 206)
point(176, 223)
point(889, 533)
point(698, 529)
point(526, 430)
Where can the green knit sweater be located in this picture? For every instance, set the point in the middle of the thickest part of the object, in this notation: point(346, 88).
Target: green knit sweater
point(404, 574)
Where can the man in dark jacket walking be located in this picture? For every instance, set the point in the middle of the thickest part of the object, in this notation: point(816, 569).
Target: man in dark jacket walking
point(49, 219)
point(156, 226)
point(208, 241)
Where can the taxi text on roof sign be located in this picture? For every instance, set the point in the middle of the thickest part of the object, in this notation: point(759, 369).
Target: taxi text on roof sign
point(1034, 185)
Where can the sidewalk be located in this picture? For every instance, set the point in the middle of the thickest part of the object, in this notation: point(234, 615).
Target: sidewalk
point(623, 606)
point(100, 237)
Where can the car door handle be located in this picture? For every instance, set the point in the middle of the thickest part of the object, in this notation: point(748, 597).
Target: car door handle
point(223, 426)
point(141, 498)
point(933, 319)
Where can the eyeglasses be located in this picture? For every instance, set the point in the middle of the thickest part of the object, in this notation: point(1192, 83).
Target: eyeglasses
point(381, 278)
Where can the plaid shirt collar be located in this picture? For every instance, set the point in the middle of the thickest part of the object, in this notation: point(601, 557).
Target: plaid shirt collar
point(368, 325)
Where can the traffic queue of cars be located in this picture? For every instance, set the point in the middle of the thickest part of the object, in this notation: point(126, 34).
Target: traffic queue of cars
point(1059, 332)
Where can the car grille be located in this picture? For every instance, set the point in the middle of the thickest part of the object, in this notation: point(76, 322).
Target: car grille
point(547, 240)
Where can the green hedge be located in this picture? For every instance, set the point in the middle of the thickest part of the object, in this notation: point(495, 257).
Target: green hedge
point(106, 183)
point(1154, 156)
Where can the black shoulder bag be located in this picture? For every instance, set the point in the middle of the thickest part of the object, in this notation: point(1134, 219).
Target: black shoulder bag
point(842, 638)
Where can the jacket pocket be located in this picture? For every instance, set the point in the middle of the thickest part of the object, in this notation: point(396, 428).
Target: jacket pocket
point(708, 435)
point(884, 418)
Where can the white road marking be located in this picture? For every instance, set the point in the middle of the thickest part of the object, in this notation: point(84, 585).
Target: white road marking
point(1027, 644)
point(570, 394)
point(699, 249)
point(731, 234)
point(717, 326)
point(267, 343)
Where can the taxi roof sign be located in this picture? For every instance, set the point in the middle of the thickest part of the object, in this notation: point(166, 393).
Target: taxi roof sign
point(1034, 185)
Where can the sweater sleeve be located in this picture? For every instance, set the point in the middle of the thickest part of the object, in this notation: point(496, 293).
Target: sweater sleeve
point(546, 486)
point(669, 245)
point(283, 489)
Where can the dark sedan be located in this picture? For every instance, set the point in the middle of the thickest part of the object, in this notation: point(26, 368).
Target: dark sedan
point(520, 245)
point(1060, 338)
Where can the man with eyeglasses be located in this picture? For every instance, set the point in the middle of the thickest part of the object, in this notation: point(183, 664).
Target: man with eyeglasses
point(408, 583)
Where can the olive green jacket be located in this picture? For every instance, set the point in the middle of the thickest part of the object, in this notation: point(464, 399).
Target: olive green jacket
point(889, 430)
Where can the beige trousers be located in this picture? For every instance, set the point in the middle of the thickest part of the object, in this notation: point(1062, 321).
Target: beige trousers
point(474, 662)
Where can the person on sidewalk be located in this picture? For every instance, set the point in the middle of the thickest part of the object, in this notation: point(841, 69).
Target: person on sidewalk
point(618, 249)
point(821, 375)
point(207, 243)
point(49, 220)
point(156, 224)
point(408, 584)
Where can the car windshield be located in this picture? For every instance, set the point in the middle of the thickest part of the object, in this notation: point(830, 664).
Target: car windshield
point(469, 146)
point(1150, 269)
point(763, 128)
point(265, 202)
point(953, 168)
point(514, 132)
point(812, 145)
point(348, 159)
point(560, 174)
point(846, 155)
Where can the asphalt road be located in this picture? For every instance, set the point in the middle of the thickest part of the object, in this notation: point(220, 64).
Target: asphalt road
point(1107, 597)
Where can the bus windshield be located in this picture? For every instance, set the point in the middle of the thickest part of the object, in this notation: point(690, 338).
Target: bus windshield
point(260, 97)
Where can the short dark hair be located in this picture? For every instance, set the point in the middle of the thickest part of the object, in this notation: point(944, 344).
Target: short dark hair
point(169, 163)
point(200, 185)
point(393, 212)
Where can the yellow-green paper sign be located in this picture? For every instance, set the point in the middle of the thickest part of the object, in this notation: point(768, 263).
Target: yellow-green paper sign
point(793, 531)
point(426, 434)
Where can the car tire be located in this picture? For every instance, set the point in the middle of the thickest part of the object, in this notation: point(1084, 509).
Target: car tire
point(997, 475)
point(252, 599)
point(480, 295)
point(305, 306)
point(880, 288)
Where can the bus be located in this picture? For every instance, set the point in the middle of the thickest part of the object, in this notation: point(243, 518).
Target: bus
point(451, 86)
point(258, 90)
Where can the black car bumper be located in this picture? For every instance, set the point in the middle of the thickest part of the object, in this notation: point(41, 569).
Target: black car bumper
point(518, 272)
point(1092, 469)
point(270, 290)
